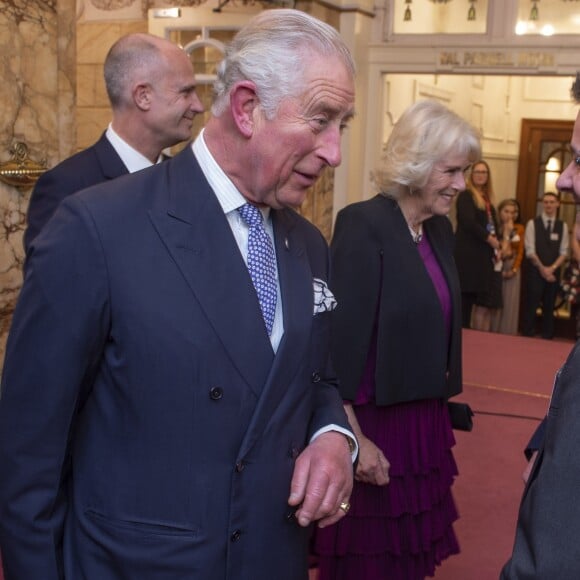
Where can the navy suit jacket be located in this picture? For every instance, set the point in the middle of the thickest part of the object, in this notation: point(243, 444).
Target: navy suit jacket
point(147, 429)
point(546, 545)
point(99, 162)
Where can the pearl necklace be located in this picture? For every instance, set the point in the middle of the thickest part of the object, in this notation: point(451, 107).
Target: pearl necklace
point(417, 236)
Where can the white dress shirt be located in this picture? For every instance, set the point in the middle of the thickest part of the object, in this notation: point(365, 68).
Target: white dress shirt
point(132, 159)
point(230, 200)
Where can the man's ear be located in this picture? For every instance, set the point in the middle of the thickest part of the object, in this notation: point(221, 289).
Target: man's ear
point(244, 104)
point(142, 96)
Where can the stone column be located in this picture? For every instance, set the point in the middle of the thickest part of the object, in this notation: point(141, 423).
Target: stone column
point(37, 71)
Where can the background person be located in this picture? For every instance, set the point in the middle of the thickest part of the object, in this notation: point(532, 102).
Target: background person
point(151, 87)
point(178, 422)
point(477, 249)
point(511, 234)
point(546, 244)
point(396, 346)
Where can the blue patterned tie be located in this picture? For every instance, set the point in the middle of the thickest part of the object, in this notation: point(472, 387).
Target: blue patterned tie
point(261, 262)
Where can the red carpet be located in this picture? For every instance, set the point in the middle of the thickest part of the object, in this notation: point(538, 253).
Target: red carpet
point(507, 382)
point(510, 378)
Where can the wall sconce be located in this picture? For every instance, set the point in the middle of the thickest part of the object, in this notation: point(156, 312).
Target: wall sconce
point(21, 171)
point(534, 14)
point(471, 12)
point(408, 16)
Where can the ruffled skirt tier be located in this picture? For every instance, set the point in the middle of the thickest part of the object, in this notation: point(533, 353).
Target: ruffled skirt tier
point(401, 531)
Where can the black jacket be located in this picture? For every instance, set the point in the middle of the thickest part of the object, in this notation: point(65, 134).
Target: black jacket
point(378, 274)
point(473, 255)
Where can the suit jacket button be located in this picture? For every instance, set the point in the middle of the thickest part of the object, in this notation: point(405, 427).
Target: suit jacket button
point(315, 377)
point(216, 393)
point(240, 466)
point(294, 452)
point(236, 536)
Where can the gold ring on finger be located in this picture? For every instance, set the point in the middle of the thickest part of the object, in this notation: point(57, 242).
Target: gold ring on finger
point(344, 506)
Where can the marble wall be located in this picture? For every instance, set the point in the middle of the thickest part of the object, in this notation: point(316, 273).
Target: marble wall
point(37, 71)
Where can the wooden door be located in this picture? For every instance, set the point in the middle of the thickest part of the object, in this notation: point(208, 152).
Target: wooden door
point(544, 153)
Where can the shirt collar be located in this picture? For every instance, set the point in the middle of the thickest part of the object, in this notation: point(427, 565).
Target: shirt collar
point(133, 160)
point(545, 218)
point(228, 195)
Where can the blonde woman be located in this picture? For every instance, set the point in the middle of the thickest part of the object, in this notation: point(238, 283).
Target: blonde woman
point(477, 249)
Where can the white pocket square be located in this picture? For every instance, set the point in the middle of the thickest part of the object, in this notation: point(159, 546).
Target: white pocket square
point(324, 300)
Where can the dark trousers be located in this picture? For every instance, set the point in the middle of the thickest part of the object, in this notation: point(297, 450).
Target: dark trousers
point(539, 291)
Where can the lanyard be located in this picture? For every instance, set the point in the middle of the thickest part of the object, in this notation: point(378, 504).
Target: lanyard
point(490, 224)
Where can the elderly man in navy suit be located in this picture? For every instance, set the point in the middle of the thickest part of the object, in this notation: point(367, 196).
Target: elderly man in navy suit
point(151, 87)
point(168, 409)
point(546, 545)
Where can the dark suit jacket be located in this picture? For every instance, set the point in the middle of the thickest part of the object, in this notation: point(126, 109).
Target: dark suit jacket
point(378, 275)
point(546, 544)
point(536, 439)
point(147, 430)
point(93, 165)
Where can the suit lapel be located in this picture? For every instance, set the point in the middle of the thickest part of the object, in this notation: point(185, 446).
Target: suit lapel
point(199, 239)
point(443, 258)
point(296, 288)
point(416, 268)
point(448, 268)
point(109, 160)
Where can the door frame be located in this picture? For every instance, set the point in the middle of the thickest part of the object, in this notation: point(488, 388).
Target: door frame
point(533, 133)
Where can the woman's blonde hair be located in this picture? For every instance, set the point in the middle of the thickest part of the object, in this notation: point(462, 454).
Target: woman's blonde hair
point(426, 133)
point(479, 194)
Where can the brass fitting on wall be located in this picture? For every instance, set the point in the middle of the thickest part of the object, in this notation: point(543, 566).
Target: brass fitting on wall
point(21, 171)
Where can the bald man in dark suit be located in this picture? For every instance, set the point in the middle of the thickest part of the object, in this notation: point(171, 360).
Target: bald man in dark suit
point(141, 73)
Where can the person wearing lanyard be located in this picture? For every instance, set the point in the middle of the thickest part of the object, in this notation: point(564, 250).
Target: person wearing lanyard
point(477, 249)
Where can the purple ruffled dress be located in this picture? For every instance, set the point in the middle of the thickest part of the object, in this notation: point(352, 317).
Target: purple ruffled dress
point(403, 530)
